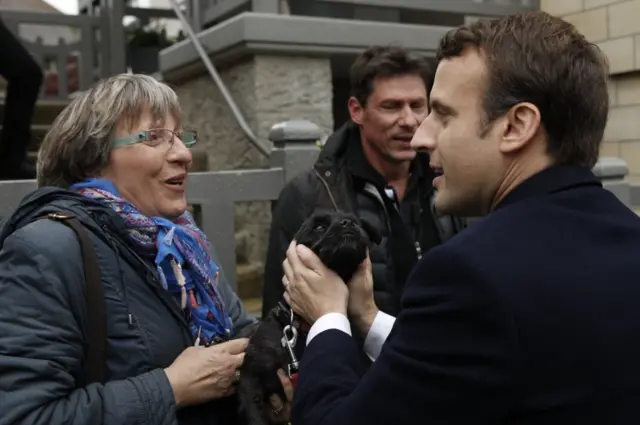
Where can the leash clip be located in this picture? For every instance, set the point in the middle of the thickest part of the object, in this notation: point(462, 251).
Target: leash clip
point(289, 342)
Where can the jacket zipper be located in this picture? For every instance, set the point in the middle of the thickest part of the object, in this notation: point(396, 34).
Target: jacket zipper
point(371, 190)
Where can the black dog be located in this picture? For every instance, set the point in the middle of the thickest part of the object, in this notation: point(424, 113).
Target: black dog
point(340, 240)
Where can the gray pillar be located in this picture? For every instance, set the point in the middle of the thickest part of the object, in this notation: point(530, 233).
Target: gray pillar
point(613, 172)
point(295, 146)
point(117, 46)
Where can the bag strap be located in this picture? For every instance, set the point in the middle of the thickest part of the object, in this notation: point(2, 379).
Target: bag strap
point(96, 331)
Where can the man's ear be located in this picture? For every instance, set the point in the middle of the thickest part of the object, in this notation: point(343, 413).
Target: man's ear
point(371, 231)
point(523, 122)
point(355, 110)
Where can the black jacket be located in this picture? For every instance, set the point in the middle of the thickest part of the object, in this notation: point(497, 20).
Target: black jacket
point(528, 317)
point(342, 179)
point(43, 319)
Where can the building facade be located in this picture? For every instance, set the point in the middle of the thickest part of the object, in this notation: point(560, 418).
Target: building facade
point(614, 25)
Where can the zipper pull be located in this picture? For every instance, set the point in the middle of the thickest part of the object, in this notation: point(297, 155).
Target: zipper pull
point(198, 337)
point(418, 249)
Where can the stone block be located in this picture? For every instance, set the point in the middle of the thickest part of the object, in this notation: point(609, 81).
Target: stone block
point(613, 92)
point(623, 124)
point(630, 152)
point(620, 54)
point(591, 23)
point(628, 89)
point(249, 279)
point(560, 8)
point(636, 42)
point(623, 18)
point(610, 149)
point(590, 4)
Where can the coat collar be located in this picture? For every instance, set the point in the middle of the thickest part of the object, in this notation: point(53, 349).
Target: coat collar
point(551, 180)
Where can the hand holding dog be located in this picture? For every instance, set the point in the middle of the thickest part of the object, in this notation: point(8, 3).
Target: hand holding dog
point(201, 374)
point(311, 288)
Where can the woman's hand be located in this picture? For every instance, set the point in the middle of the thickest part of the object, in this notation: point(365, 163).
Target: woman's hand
point(201, 374)
point(281, 410)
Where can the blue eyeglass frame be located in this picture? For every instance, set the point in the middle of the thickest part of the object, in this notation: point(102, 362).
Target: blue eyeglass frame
point(188, 137)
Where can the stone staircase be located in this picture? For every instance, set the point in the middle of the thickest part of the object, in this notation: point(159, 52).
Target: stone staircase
point(46, 111)
point(248, 274)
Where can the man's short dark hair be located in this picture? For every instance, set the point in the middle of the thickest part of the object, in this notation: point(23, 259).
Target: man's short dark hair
point(541, 59)
point(384, 62)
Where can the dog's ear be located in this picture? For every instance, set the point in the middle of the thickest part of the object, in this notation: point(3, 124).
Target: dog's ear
point(371, 231)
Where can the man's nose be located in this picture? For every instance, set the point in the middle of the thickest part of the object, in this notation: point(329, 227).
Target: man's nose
point(408, 117)
point(424, 138)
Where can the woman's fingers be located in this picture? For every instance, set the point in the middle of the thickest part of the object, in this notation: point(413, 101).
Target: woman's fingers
point(238, 359)
point(235, 346)
point(281, 410)
point(287, 385)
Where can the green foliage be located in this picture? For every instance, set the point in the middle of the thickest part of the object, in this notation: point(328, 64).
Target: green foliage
point(152, 36)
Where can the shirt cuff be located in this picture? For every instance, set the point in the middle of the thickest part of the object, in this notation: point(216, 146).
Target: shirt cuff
point(329, 321)
point(380, 330)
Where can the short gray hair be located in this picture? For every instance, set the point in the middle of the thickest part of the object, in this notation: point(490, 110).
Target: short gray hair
point(79, 143)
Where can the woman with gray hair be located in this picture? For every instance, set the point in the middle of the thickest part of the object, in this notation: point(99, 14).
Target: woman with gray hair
point(115, 163)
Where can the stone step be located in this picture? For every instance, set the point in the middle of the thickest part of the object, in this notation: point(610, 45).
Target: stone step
point(242, 238)
point(45, 112)
point(249, 277)
point(253, 306)
point(38, 131)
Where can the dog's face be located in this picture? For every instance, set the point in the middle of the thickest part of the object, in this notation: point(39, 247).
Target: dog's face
point(339, 239)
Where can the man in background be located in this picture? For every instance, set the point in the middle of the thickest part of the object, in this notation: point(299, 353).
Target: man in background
point(530, 316)
point(368, 167)
point(24, 78)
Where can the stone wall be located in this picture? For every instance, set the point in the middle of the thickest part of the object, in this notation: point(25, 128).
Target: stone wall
point(268, 89)
point(614, 25)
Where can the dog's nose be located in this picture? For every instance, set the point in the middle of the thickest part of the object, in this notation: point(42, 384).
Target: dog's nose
point(345, 222)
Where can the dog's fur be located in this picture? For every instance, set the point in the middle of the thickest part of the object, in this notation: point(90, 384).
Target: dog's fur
point(340, 240)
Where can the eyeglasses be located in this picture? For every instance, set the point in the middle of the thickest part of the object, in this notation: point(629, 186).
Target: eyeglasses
point(156, 137)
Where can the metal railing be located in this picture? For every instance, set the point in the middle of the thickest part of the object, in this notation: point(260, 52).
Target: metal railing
point(78, 49)
point(214, 11)
point(63, 44)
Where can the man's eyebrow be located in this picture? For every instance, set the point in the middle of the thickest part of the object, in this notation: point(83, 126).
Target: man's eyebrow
point(441, 108)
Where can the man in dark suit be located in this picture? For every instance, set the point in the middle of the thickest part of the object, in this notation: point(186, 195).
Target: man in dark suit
point(531, 316)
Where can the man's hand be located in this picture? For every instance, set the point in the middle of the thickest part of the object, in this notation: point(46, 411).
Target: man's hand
point(362, 308)
point(311, 289)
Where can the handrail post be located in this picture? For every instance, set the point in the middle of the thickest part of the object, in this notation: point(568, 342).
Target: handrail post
point(295, 146)
point(612, 172)
point(117, 45)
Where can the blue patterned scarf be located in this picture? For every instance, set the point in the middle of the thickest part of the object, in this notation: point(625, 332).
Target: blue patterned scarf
point(179, 250)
